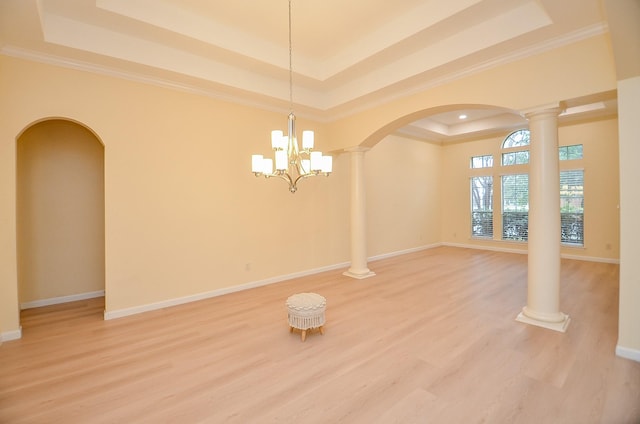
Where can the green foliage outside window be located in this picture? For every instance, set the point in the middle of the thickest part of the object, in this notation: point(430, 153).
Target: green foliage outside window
point(570, 152)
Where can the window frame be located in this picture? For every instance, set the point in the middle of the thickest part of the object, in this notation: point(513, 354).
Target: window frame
point(478, 215)
point(567, 149)
point(520, 168)
point(520, 232)
point(575, 228)
point(482, 158)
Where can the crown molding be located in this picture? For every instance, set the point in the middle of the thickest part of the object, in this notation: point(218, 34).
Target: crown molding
point(308, 111)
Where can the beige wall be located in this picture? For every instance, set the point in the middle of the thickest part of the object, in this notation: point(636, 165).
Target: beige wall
point(183, 214)
point(571, 71)
point(629, 323)
point(456, 226)
point(403, 195)
point(600, 163)
point(602, 187)
point(60, 205)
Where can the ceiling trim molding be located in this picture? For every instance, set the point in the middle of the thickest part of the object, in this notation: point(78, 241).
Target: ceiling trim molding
point(576, 36)
point(268, 103)
point(48, 59)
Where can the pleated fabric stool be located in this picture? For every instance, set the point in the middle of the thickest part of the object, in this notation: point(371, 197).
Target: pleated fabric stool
point(306, 311)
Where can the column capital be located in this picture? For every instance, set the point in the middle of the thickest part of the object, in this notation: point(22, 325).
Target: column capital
point(357, 149)
point(553, 109)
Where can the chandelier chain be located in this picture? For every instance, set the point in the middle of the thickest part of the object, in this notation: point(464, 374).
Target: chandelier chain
point(292, 164)
point(290, 64)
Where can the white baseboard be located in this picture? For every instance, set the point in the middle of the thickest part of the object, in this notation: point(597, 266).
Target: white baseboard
point(120, 313)
point(524, 252)
point(403, 252)
point(591, 259)
point(61, 299)
point(490, 248)
point(627, 353)
point(11, 335)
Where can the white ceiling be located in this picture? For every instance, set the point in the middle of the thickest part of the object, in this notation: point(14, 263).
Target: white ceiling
point(347, 55)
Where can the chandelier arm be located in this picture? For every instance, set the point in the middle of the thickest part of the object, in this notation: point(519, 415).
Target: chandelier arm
point(311, 174)
point(294, 155)
point(286, 178)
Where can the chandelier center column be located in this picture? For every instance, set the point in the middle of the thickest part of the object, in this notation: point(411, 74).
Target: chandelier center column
point(358, 267)
point(543, 284)
point(292, 164)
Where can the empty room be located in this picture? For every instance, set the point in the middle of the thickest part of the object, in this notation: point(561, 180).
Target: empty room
point(304, 211)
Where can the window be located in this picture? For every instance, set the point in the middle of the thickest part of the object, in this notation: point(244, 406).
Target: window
point(519, 138)
point(570, 152)
point(515, 193)
point(517, 141)
point(515, 158)
point(482, 161)
point(482, 206)
point(515, 207)
point(572, 207)
point(515, 187)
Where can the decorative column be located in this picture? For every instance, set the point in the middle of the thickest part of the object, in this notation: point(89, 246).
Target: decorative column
point(358, 267)
point(543, 285)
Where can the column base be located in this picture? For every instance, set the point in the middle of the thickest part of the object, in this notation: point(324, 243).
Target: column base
point(560, 324)
point(360, 274)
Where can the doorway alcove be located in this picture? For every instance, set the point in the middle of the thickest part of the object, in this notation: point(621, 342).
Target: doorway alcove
point(60, 214)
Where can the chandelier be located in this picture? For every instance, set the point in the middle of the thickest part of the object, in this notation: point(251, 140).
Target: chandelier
point(291, 163)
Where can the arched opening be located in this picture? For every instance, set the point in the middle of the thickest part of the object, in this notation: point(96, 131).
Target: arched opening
point(450, 123)
point(406, 176)
point(60, 214)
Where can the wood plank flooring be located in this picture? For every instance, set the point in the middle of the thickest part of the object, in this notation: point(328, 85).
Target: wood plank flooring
point(432, 338)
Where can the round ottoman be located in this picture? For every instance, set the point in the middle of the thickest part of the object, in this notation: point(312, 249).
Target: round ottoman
point(306, 312)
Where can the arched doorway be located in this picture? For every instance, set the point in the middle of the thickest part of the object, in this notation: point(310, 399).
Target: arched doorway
point(60, 214)
point(403, 163)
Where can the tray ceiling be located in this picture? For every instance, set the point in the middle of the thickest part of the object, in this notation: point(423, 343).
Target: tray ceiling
point(347, 55)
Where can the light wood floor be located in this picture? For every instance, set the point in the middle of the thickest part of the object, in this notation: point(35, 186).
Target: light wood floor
point(431, 339)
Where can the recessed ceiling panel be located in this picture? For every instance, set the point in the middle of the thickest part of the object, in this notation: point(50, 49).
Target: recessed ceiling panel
point(346, 54)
